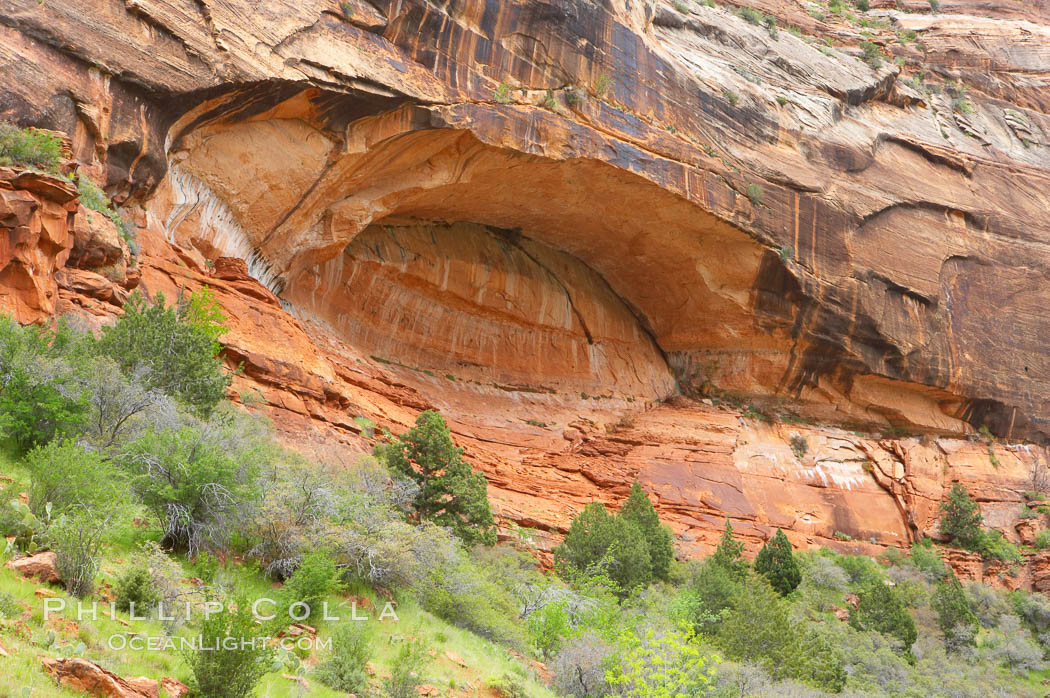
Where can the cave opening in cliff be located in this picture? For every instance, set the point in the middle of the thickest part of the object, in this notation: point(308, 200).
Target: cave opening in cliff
point(429, 248)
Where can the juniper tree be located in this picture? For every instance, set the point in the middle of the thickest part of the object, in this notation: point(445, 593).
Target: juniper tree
point(450, 494)
point(729, 553)
point(777, 563)
point(638, 509)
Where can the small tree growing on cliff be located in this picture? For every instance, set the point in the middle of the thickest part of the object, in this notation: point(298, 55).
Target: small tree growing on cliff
point(451, 494)
point(638, 509)
point(777, 563)
point(961, 518)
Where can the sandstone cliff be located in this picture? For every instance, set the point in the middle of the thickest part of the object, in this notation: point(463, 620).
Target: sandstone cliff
point(546, 218)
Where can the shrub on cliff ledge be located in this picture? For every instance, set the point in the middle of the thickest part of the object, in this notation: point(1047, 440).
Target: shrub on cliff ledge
point(961, 518)
point(29, 148)
point(450, 494)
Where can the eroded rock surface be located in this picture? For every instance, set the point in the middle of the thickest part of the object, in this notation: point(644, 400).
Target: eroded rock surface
point(547, 218)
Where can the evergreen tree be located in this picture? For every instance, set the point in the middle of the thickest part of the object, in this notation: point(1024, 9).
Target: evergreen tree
point(638, 509)
point(961, 518)
point(820, 663)
point(716, 590)
point(954, 617)
point(450, 494)
point(598, 541)
point(729, 554)
point(880, 608)
point(177, 344)
point(777, 563)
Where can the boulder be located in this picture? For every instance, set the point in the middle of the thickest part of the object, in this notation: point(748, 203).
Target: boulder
point(41, 565)
point(88, 677)
point(96, 241)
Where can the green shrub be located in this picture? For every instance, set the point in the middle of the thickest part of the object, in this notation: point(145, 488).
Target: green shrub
point(879, 608)
point(195, 478)
point(1042, 539)
point(598, 541)
point(29, 148)
point(638, 509)
point(177, 345)
point(472, 594)
point(716, 588)
point(548, 628)
point(313, 581)
point(957, 622)
point(926, 557)
point(346, 668)
point(136, 587)
point(502, 93)
point(507, 686)
point(799, 446)
point(777, 563)
point(451, 493)
point(68, 477)
point(863, 5)
point(754, 193)
point(92, 197)
point(229, 669)
point(41, 395)
point(76, 538)
point(961, 518)
point(406, 671)
point(993, 546)
point(871, 54)
point(662, 665)
point(749, 15)
point(9, 607)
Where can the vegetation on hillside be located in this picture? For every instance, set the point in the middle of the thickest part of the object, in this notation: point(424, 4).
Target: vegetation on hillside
point(124, 458)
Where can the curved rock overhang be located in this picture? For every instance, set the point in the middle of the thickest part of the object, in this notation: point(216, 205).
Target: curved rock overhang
point(893, 268)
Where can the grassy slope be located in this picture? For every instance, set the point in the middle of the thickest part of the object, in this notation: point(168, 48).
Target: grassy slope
point(22, 636)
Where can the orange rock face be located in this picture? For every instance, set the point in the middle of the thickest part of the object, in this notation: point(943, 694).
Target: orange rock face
point(566, 225)
point(36, 212)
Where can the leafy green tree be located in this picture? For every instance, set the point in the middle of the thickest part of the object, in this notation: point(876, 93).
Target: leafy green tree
point(664, 665)
point(954, 616)
point(777, 563)
point(451, 494)
point(194, 479)
point(759, 627)
point(880, 608)
point(41, 392)
point(177, 345)
point(638, 509)
point(729, 554)
point(961, 518)
point(66, 476)
point(598, 541)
